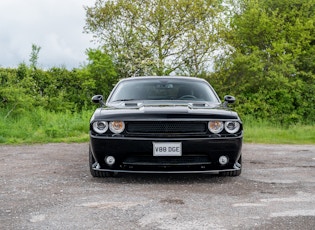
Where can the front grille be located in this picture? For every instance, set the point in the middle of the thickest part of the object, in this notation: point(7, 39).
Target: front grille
point(167, 127)
point(167, 161)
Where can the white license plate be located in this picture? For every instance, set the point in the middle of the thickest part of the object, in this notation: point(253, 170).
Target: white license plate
point(167, 149)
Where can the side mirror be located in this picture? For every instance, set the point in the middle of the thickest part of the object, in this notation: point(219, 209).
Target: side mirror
point(98, 99)
point(228, 99)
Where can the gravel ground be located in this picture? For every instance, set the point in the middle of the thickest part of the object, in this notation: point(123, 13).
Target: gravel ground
point(49, 187)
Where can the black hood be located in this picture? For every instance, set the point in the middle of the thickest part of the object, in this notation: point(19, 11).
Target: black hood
point(161, 111)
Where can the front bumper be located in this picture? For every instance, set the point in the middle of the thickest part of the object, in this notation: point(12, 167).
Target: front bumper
point(235, 168)
point(135, 155)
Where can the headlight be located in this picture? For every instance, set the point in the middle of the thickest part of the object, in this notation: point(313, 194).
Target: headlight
point(100, 127)
point(215, 126)
point(117, 126)
point(232, 126)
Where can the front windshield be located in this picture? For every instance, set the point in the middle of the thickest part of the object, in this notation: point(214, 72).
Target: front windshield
point(163, 89)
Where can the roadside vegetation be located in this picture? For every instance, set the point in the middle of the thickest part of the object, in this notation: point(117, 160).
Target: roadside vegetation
point(42, 126)
point(263, 131)
point(262, 52)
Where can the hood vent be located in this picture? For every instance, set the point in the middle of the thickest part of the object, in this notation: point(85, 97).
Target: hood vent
point(133, 105)
point(197, 105)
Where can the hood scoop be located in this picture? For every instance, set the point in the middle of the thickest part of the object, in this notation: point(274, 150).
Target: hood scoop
point(132, 104)
point(198, 105)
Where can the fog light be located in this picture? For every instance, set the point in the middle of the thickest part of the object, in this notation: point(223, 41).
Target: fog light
point(110, 160)
point(223, 160)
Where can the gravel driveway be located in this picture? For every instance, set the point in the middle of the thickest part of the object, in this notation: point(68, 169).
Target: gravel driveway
point(49, 187)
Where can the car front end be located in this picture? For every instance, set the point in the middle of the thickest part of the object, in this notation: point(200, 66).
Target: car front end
point(165, 136)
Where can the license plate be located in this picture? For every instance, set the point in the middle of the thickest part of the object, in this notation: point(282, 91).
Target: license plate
point(167, 149)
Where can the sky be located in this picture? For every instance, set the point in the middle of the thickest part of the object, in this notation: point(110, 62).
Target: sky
point(54, 25)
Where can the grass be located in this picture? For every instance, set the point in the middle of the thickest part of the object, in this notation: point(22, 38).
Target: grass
point(41, 126)
point(257, 131)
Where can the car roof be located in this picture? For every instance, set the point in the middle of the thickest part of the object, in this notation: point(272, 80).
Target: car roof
point(162, 77)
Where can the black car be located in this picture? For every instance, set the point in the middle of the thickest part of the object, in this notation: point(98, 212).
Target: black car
point(165, 125)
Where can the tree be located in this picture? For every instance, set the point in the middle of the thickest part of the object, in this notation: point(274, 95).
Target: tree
point(269, 58)
point(34, 56)
point(101, 71)
point(157, 37)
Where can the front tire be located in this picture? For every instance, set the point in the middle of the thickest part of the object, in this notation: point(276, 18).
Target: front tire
point(96, 173)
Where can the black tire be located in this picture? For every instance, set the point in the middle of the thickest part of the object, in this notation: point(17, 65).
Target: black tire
point(233, 173)
point(95, 173)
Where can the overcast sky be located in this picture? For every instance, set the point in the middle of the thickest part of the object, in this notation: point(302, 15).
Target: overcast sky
point(54, 25)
